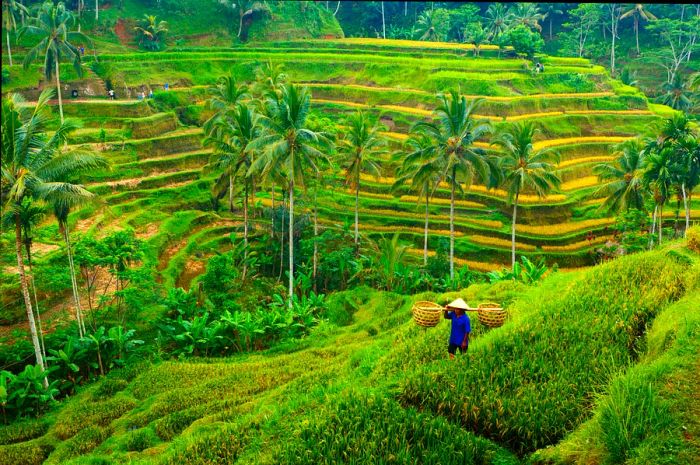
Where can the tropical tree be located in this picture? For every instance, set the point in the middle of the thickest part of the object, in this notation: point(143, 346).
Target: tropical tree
point(474, 34)
point(360, 146)
point(422, 169)
point(527, 14)
point(433, 25)
point(638, 12)
point(550, 10)
point(244, 8)
point(231, 138)
point(453, 135)
point(660, 172)
point(677, 94)
point(150, 32)
point(269, 79)
point(498, 19)
point(52, 24)
point(33, 166)
point(688, 151)
point(225, 96)
point(288, 145)
point(391, 256)
point(522, 167)
point(621, 180)
point(10, 8)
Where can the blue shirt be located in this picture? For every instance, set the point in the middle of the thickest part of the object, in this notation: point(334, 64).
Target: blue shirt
point(460, 327)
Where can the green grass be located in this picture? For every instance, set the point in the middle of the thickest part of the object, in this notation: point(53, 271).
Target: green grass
point(377, 389)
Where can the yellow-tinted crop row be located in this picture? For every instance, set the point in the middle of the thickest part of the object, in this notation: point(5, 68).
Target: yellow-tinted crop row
point(501, 243)
point(524, 198)
point(557, 229)
point(576, 245)
point(579, 140)
point(473, 265)
point(582, 160)
point(580, 183)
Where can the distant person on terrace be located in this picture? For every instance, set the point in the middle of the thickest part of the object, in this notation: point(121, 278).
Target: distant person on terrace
point(461, 327)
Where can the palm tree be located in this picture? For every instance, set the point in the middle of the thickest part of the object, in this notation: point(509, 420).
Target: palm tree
point(677, 94)
point(225, 96)
point(9, 9)
point(421, 168)
point(453, 136)
point(51, 24)
point(288, 145)
point(269, 79)
point(431, 26)
point(498, 19)
point(528, 14)
point(688, 150)
point(34, 167)
point(30, 214)
point(150, 32)
point(638, 12)
point(549, 11)
point(660, 171)
point(391, 255)
point(621, 181)
point(522, 167)
point(231, 138)
point(360, 146)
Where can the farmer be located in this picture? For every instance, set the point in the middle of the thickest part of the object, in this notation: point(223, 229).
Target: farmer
point(461, 327)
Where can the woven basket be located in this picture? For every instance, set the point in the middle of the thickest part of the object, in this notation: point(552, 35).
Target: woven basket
point(427, 314)
point(491, 314)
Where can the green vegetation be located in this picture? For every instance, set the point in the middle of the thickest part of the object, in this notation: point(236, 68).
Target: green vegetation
point(218, 249)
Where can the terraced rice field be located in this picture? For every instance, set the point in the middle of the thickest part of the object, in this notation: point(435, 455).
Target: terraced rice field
point(157, 160)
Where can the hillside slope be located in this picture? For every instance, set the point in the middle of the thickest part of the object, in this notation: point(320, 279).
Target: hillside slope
point(368, 386)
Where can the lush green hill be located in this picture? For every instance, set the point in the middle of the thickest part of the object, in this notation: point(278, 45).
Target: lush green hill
point(600, 364)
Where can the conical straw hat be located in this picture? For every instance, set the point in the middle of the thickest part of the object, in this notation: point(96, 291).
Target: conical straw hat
point(458, 304)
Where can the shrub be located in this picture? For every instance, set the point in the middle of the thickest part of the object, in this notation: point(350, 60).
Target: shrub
point(370, 429)
point(140, 439)
point(692, 235)
point(21, 431)
point(32, 452)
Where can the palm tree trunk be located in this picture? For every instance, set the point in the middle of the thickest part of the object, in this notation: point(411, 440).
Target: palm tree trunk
point(357, 214)
point(272, 217)
point(550, 27)
point(74, 282)
point(383, 23)
point(337, 7)
point(9, 50)
point(58, 90)
point(284, 205)
point(230, 192)
point(240, 22)
point(36, 305)
point(612, 49)
point(315, 268)
point(653, 227)
point(291, 233)
point(27, 299)
point(425, 239)
point(636, 33)
point(97, 10)
point(661, 221)
point(452, 225)
point(514, 221)
point(685, 207)
point(245, 231)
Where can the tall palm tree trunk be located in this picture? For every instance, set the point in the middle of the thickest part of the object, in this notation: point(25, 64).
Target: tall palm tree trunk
point(425, 239)
point(291, 231)
point(272, 217)
point(357, 214)
point(9, 50)
point(315, 267)
point(636, 33)
point(661, 221)
point(74, 281)
point(515, 220)
point(383, 23)
point(452, 225)
point(653, 227)
point(28, 248)
point(685, 207)
point(58, 90)
point(27, 299)
point(97, 10)
point(245, 231)
point(240, 21)
point(284, 205)
point(230, 192)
